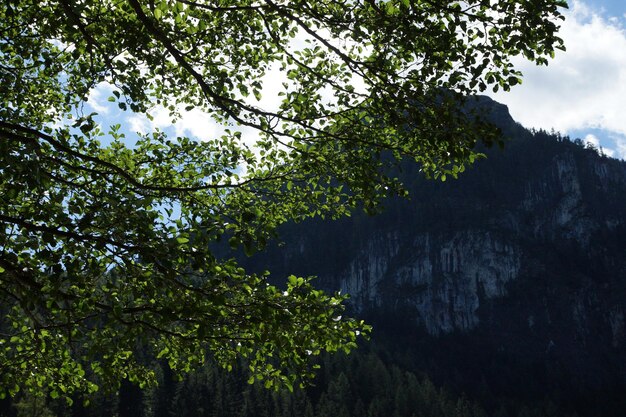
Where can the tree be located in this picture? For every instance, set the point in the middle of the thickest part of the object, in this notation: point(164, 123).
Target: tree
point(108, 259)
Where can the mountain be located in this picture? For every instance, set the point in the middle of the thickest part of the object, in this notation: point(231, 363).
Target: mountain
point(509, 282)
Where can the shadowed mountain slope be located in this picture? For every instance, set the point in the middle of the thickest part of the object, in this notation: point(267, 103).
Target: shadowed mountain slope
point(508, 282)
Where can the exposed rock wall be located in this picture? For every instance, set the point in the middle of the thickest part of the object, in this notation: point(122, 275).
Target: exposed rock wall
point(440, 278)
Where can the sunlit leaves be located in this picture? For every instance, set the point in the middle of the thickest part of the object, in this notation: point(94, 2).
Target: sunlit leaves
point(114, 256)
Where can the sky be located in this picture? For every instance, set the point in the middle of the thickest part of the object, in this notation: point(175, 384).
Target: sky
point(581, 93)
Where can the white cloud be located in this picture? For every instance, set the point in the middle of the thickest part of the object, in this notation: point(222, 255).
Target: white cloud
point(197, 124)
point(582, 88)
point(194, 123)
point(610, 153)
point(98, 98)
point(595, 141)
point(592, 139)
point(139, 124)
point(620, 144)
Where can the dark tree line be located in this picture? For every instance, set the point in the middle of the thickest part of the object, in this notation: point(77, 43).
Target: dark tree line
point(360, 385)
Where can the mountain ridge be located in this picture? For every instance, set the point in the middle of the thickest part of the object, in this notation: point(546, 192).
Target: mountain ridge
point(523, 258)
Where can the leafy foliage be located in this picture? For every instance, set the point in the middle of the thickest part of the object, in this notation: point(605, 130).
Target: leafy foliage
point(106, 249)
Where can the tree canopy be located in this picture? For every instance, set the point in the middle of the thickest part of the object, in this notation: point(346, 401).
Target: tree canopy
point(107, 243)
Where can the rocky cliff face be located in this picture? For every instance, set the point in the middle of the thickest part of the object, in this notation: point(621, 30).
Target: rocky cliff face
point(439, 278)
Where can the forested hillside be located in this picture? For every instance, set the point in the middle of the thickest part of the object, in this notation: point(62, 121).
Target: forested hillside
point(508, 283)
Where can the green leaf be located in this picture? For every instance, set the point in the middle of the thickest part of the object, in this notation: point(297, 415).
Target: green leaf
point(101, 221)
